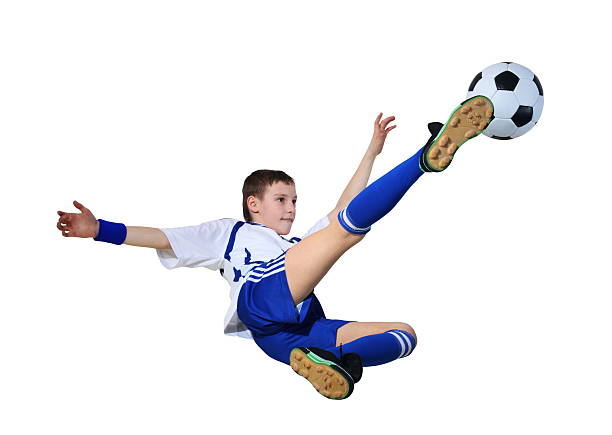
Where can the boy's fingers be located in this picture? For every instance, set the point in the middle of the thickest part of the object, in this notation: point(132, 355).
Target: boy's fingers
point(61, 213)
point(79, 206)
point(386, 121)
point(377, 120)
point(390, 128)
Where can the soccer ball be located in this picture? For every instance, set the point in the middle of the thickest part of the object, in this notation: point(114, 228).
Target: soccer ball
point(517, 98)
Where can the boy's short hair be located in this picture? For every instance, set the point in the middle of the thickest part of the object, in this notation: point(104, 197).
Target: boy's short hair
point(257, 183)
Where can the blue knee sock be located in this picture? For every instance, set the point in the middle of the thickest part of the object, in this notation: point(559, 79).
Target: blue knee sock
point(380, 348)
point(380, 197)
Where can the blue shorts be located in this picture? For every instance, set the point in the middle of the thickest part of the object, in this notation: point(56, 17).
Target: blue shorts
point(266, 307)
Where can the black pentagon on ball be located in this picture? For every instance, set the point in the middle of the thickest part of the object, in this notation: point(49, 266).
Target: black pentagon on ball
point(538, 84)
point(523, 115)
point(501, 137)
point(506, 81)
point(476, 80)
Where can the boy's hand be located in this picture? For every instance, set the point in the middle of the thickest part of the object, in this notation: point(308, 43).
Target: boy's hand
point(380, 134)
point(82, 224)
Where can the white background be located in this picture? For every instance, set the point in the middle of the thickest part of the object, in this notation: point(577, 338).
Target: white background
point(153, 113)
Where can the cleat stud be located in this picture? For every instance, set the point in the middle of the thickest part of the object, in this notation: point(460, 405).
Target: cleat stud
point(470, 133)
point(298, 357)
point(489, 113)
point(435, 152)
point(482, 125)
point(454, 122)
point(445, 162)
point(466, 109)
point(304, 372)
point(452, 148)
point(444, 140)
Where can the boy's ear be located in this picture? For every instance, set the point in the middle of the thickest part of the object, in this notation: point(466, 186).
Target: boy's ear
point(253, 204)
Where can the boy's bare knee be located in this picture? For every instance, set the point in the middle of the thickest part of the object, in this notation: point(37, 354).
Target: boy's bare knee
point(350, 238)
point(405, 327)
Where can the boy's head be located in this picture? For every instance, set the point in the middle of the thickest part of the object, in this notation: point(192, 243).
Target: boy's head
point(269, 198)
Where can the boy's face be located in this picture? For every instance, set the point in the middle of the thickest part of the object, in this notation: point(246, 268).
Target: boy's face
point(277, 208)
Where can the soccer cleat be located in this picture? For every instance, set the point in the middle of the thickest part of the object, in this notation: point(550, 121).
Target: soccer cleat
point(330, 377)
point(352, 363)
point(466, 122)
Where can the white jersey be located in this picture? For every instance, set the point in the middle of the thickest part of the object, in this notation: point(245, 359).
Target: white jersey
point(231, 246)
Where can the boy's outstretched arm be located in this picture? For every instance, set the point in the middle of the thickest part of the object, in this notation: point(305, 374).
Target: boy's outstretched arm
point(360, 179)
point(85, 225)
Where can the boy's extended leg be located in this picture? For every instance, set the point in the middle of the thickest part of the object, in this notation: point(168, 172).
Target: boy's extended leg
point(307, 262)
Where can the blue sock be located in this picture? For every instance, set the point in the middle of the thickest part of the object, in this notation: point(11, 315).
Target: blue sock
point(380, 348)
point(380, 197)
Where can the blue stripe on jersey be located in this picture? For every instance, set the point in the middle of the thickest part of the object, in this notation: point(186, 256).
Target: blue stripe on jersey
point(232, 239)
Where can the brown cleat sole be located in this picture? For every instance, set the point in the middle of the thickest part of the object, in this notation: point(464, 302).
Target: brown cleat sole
point(466, 122)
point(328, 381)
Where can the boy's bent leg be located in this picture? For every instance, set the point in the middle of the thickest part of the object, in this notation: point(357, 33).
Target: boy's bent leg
point(308, 262)
point(396, 341)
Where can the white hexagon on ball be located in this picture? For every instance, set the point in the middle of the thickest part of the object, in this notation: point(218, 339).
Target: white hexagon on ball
point(486, 87)
point(505, 104)
point(526, 92)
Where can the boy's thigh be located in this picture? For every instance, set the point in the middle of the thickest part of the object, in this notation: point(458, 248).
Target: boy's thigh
point(354, 330)
point(308, 261)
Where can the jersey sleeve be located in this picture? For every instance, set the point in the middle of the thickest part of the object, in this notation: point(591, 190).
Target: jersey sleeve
point(319, 225)
point(200, 245)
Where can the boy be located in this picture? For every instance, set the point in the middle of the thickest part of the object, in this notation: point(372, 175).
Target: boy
point(272, 279)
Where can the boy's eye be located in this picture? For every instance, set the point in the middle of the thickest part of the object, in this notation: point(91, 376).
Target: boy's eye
point(280, 199)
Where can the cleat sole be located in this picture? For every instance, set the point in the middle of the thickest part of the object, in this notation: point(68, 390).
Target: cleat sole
point(466, 122)
point(328, 381)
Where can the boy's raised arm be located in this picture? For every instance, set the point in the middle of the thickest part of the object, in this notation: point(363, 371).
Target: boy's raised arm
point(360, 179)
point(85, 225)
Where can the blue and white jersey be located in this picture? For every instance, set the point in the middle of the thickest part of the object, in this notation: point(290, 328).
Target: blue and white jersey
point(234, 248)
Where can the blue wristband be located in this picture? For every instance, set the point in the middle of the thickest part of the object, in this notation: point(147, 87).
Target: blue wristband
point(111, 232)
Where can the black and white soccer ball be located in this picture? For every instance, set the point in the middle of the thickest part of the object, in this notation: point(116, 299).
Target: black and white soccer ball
point(517, 98)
